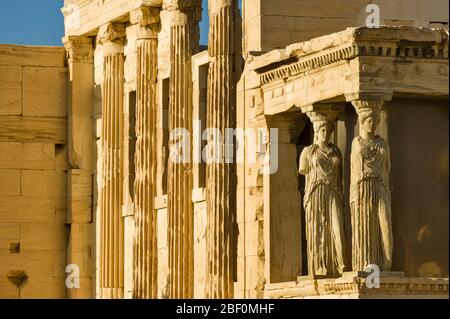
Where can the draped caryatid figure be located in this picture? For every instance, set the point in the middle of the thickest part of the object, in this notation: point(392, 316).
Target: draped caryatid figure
point(370, 198)
point(321, 163)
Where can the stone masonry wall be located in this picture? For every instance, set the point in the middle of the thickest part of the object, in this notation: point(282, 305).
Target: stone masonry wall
point(33, 172)
point(269, 25)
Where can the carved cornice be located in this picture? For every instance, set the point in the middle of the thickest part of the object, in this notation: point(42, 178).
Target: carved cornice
point(79, 49)
point(308, 64)
point(394, 43)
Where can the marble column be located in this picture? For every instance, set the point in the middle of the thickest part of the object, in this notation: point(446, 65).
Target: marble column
point(184, 37)
point(220, 185)
point(112, 227)
point(370, 197)
point(145, 236)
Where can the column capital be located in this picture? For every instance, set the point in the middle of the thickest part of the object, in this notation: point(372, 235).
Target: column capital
point(368, 103)
point(79, 49)
point(368, 107)
point(322, 116)
point(171, 5)
point(216, 5)
point(112, 37)
point(184, 10)
point(148, 21)
point(110, 32)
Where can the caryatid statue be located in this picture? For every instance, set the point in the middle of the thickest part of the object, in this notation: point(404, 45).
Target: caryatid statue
point(321, 163)
point(370, 197)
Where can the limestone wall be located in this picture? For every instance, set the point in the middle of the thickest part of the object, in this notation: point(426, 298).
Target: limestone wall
point(33, 171)
point(269, 25)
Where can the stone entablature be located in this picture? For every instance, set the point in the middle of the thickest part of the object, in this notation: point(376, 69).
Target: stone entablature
point(351, 64)
point(85, 17)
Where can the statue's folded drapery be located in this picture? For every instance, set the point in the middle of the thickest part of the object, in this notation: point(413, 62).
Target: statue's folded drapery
point(370, 204)
point(323, 204)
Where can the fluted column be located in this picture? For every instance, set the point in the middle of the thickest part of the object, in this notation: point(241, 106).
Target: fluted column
point(184, 35)
point(112, 227)
point(145, 236)
point(220, 115)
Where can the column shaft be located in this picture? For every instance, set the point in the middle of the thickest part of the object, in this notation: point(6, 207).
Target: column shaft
point(112, 227)
point(145, 248)
point(220, 115)
point(184, 43)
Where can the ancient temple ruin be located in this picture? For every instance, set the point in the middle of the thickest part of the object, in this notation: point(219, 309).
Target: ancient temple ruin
point(93, 204)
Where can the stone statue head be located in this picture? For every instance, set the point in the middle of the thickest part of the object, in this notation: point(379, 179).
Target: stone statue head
point(322, 131)
point(323, 124)
point(369, 115)
point(368, 121)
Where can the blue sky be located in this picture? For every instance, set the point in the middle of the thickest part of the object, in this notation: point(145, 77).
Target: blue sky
point(34, 22)
point(40, 22)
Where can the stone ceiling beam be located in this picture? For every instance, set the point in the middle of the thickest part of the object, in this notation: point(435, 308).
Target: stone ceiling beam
point(86, 18)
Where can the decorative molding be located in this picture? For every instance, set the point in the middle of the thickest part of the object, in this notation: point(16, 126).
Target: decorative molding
point(352, 43)
point(308, 64)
